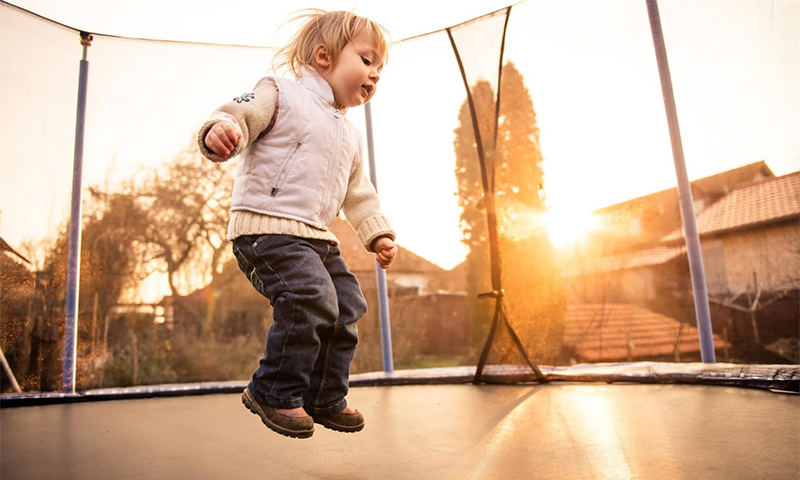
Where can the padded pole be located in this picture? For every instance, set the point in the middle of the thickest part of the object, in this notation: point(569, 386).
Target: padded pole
point(74, 252)
point(9, 372)
point(380, 274)
point(693, 250)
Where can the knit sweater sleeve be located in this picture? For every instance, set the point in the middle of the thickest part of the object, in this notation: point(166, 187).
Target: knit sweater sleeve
point(252, 111)
point(362, 209)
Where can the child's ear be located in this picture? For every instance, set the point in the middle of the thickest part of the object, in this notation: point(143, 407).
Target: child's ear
point(321, 56)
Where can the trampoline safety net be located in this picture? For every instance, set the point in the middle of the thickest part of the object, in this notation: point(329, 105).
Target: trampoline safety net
point(523, 157)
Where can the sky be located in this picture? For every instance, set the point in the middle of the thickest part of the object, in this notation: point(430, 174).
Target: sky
point(246, 22)
point(589, 67)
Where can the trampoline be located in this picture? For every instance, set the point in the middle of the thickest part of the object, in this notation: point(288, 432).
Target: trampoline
point(644, 419)
point(632, 421)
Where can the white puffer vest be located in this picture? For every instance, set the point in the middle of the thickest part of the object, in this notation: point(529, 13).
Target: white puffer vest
point(300, 168)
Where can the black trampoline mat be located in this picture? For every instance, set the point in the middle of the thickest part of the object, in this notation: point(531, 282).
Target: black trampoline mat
point(558, 431)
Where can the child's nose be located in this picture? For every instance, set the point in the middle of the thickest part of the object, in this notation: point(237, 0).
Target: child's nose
point(375, 75)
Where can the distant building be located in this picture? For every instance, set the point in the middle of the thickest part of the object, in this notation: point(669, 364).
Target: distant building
point(749, 225)
point(624, 332)
point(427, 305)
point(409, 273)
point(751, 252)
point(643, 221)
point(6, 248)
point(751, 238)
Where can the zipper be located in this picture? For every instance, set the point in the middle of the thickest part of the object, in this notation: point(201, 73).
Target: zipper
point(285, 169)
point(336, 161)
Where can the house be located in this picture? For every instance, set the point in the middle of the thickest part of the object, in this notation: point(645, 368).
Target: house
point(625, 332)
point(409, 272)
point(750, 241)
point(5, 247)
point(643, 221)
point(749, 225)
point(428, 310)
point(751, 238)
point(626, 259)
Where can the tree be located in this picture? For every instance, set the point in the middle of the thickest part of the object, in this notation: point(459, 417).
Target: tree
point(16, 287)
point(185, 208)
point(535, 297)
point(32, 304)
point(175, 220)
point(470, 198)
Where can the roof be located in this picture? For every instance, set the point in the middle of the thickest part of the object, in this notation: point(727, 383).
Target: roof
point(664, 206)
point(768, 201)
point(358, 260)
point(613, 263)
point(5, 247)
point(643, 221)
point(719, 183)
point(610, 332)
point(729, 179)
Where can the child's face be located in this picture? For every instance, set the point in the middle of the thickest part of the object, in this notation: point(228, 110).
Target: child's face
point(355, 74)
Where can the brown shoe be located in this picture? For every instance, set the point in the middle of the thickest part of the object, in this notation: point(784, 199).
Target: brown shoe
point(295, 427)
point(341, 422)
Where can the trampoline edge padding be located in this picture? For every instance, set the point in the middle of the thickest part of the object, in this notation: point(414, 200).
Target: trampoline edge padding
point(776, 378)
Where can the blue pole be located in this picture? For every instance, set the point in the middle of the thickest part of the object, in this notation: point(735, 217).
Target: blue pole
point(380, 274)
point(74, 253)
point(696, 269)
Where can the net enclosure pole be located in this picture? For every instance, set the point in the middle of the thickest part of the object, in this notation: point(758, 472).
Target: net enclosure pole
point(693, 250)
point(74, 252)
point(380, 274)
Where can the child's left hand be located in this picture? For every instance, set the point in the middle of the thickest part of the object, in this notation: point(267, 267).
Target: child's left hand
point(386, 250)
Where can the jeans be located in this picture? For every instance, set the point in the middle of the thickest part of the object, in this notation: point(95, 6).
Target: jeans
point(316, 303)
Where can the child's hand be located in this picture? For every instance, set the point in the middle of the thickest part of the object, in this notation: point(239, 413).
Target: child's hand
point(386, 250)
point(222, 138)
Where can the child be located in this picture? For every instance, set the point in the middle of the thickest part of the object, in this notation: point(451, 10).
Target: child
point(301, 163)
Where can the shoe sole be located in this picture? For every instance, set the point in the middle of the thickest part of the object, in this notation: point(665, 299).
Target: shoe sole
point(339, 428)
point(251, 405)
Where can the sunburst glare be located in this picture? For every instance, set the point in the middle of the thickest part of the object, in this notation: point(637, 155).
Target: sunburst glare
point(568, 225)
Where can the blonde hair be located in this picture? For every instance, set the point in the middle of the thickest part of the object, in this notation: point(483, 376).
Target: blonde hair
point(332, 29)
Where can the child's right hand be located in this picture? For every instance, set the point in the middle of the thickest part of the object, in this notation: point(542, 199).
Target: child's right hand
point(222, 138)
point(385, 250)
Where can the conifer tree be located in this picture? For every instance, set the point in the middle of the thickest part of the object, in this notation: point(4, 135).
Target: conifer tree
point(535, 297)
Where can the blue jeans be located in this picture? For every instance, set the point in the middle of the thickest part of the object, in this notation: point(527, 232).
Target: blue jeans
point(316, 303)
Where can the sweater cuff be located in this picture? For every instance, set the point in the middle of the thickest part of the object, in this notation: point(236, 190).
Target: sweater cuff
point(216, 118)
point(372, 228)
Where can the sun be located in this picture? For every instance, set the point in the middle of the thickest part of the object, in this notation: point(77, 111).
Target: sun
point(566, 226)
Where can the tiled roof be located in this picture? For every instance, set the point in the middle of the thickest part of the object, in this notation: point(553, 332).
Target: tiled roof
point(613, 263)
point(727, 180)
point(762, 202)
point(718, 183)
point(608, 332)
point(5, 247)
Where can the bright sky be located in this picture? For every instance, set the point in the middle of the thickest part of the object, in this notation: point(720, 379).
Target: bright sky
point(246, 22)
point(589, 67)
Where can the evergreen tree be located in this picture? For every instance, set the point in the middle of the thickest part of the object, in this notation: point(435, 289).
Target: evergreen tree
point(470, 199)
point(535, 297)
